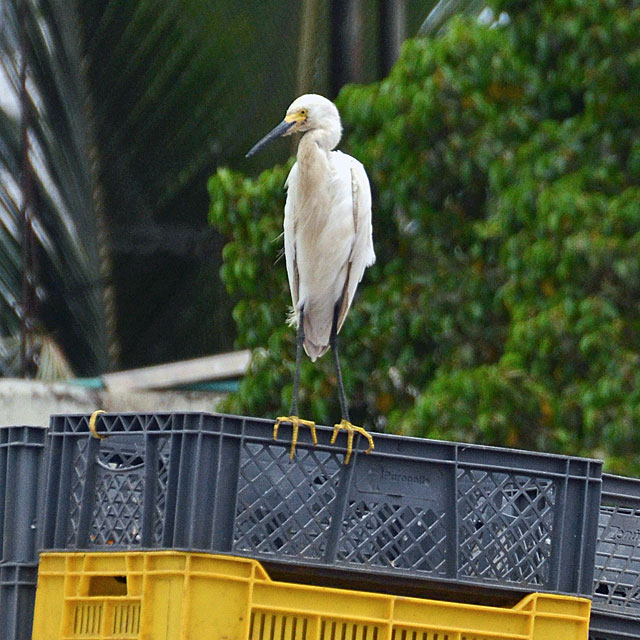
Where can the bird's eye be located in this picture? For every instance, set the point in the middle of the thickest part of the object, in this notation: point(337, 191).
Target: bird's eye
point(303, 112)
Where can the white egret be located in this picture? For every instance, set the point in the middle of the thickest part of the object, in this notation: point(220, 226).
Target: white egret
point(327, 241)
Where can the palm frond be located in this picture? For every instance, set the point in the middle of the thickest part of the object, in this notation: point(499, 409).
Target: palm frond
point(169, 85)
point(67, 280)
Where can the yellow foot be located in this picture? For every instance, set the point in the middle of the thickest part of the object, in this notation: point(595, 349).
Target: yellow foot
point(351, 429)
point(295, 423)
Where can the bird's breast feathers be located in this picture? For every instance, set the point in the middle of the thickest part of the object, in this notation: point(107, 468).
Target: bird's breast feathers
point(327, 230)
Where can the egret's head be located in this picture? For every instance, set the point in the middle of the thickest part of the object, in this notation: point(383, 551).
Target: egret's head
point(312, 111)
point(307, 112)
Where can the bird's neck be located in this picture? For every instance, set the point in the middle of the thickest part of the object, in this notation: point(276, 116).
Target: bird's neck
point(312, 157)
point(314, 168)
point(325, 138)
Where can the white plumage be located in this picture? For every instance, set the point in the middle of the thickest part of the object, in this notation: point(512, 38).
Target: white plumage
point(327, 224)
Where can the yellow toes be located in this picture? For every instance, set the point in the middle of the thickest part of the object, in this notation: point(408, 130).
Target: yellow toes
point(351, 430)
point(295, 424)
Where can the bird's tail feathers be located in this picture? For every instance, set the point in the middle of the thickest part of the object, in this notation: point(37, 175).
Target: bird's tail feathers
point(315, 351)
point(316, 341)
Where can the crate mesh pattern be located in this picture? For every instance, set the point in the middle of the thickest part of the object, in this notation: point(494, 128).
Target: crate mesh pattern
point(506, 525)
point(618, 559)
point(421, 509)
point(281, 512)
point(393, 535)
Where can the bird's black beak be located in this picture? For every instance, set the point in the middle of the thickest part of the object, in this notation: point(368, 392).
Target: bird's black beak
point(280, 130)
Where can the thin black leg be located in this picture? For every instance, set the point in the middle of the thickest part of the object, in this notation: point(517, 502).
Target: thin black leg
point(333, 342)
point(346, 422)
point(296, 377)
point(293, 418)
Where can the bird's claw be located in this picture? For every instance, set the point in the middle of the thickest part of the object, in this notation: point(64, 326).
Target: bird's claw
point(351, 429)
point(295, 424)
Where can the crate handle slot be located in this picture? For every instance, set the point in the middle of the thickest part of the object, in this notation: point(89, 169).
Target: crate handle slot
point(107, 586)
point(120, 461)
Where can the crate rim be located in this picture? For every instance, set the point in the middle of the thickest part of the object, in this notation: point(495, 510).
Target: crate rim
point(263, 574)
point(395, 579)
point(605, 625)
point(624, 487)
point(325, 428)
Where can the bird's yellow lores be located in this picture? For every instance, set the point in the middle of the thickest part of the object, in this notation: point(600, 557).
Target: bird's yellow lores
point(327, 241)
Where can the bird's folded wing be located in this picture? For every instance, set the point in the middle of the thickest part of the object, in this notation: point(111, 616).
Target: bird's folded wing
point(362, 254)
point(289, 238)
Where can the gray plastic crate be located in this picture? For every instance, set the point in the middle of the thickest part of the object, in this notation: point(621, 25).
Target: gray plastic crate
point(607, 627)
point(21, 489)
point(462, 517)
point(616, 591)
point(17, 597)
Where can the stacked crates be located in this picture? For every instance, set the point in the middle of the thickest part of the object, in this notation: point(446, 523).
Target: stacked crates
point(462, 519)
point(145, 521)
point(479, 541)
point(21, 489)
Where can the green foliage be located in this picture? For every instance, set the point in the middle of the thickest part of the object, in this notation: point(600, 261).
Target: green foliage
point(504, 307)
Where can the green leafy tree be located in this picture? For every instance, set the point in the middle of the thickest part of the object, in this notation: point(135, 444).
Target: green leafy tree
point(504, 305)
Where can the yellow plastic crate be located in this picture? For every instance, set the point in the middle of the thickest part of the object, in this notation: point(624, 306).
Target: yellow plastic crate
point(171, 595)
